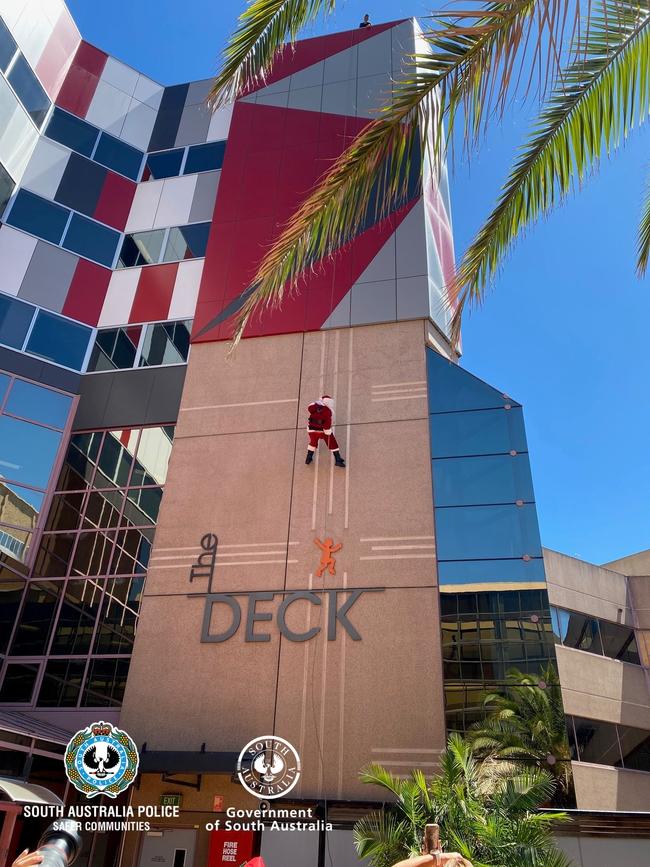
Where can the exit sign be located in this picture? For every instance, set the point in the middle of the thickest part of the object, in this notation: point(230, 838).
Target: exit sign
point(171, 799)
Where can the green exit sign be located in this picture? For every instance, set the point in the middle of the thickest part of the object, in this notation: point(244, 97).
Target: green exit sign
point(171, 799)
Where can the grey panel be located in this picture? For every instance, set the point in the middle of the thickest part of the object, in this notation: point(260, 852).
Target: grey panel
point(307, 98)
point(412, 243)
point(281, 100)
point(340, 316)
point(205, 196)
point(373, 92)
point(193, 128)
point(375, 54)
point(312, 76)
point(412, 297)
point(39, 371)
point(382, 266)
point(341, 66)
point(198, 91)
point(373, 302)
point(91, 409)
point(403, 47)
point(165, 397)
point(340, 98)
point(48, 276)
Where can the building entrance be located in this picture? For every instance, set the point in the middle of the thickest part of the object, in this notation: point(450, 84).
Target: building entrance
point(171, 848)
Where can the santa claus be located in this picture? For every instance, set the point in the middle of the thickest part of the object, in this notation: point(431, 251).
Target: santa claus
point(319, 427)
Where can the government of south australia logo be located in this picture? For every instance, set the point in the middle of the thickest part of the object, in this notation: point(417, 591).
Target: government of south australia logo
point(101, 760)
point(268, 767)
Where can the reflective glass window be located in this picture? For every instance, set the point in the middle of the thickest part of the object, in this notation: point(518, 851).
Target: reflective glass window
point(579, 631)
point(29, 90)
point(119, 156)
point(164, 164)
point(154, 450)
point(451, 388)
point(187, 242)
point(489, 432)
point(205, 157)
point(37, 216)
point(91, 239)
point(596, 742)
point(491, 571)
point(133, 549)
point(53, 556)
point(119, 616)
point(15, 319)
point(635, 746)
point(115, 348)
point(7, 46)
point(74, 629)
point(19, 681)
point(141, 248)
point(484, 532)
point(65, 511)
point(116, 458)
point(27, 451)
point(35, 625)
point(39, 404)
point(11, 593)
point(93, 553)
point(61, 683)
point(71, 131)
point(166, 343)
point(482, 480)
point(7, 187)
point(105, 683)
point(59, 340)
point(618, 641)
point(103, 509)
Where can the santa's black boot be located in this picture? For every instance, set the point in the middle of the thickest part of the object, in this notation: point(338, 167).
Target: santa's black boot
point(310, 456)
point(338, 459)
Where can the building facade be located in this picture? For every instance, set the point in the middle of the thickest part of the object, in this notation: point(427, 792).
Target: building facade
point(168, 561)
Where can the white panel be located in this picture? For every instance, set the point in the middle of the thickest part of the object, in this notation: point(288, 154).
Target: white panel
point(119, 297)
point(138, 125)
point(220, 123)
point(17, 142)
point(16, 250)
point(186, 290)
point(411, 243)
point(340, 97)
point(144, 207)
point(11, 10)
point(45, 168)
point(148, 91)
point(120, 75)
point(307, 98)
point(375, 55)
point(33, 31)
point(108, 108)
point(175, 201)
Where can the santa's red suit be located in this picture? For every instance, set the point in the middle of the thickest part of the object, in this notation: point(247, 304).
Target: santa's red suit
point(319, 427)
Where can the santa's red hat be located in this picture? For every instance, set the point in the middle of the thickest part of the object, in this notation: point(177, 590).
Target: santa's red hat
point(256, 862)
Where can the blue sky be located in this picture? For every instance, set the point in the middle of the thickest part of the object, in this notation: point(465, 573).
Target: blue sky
point(565, 330)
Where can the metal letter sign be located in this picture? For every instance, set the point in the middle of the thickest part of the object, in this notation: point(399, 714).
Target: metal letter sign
point(337, 608)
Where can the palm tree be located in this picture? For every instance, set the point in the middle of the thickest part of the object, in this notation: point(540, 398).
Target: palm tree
point(499, 824)
point(591, 69)
point(525, 727)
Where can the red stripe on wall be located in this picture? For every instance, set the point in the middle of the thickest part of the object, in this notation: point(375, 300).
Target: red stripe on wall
point(154, 293)
point(81, 82)
point(115, 201)
point(58, 54)
point(87, 292)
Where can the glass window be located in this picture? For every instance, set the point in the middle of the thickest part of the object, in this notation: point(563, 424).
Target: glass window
point(618, 641)
point(29, 90)
point(119, 616)
point(451, 388)
point(91, 239)
point(59, 340)
point(166, 343)
point(635, 746)
point(37, 216)
point(72, 132)
point(105, 683)
point(36, 619)
point(18, 683)
point(119, 156)
point(205, 157)
point(115, 348)
point(27, 451)
point(141, 248)
point(486, 532)
point(14, 542)
point(491, 571)
point(15, 319)
point(6, 188)
point(65, 512)
point(93, 553)
point(11, 593)
point(38, 403)
point(74, 629)
point(7, 46)
point(154, 450)
point(488, 432)
point(483, 480)
point(103, 509)
point(187, 242)
point(596, 742)
point(164, 164)
point(61, 683)
point(116, 458)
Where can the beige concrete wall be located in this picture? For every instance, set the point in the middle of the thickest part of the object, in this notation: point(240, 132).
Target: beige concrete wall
point(633, 564)
point(587, 851)
point(599, 787)
point(237, 470)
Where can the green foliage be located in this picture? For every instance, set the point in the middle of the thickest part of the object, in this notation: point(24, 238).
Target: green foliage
point(495, 825)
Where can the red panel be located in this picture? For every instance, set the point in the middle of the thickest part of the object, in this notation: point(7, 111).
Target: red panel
point(115, 201)
point(230, 848)
point(58, 53)
point(81, 81)
point(87, 292)
point(154, 293)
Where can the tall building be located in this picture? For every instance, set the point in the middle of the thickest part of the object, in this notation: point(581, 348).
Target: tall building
point(168, 559)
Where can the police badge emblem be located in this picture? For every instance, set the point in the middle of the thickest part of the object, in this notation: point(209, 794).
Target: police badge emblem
point(101, 760)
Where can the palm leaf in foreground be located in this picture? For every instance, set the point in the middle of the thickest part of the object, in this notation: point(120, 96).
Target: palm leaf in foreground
point(643, 247)
point(596, 103)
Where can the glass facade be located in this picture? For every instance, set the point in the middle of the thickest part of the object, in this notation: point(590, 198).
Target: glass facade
point(68, 631)
point(595, 635)
point(495, 611)
point(164, 245)
point(154, 344)
point(606, 743)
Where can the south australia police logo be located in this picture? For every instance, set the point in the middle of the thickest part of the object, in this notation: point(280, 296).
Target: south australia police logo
point(268, 767)
point(101, 760)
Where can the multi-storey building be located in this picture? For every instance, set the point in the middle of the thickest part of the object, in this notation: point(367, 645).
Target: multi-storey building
point(133, 220)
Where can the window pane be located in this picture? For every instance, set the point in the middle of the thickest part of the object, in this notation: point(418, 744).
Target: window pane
point(72, 132)
point(635, 745)
point(29, 90)
point(6, 187)
point(491, 571)
point(61, 683)
point(482, 480)
point(154, 450)
point(65, 512)
point(119, 616)
point(117, 155)
point(451, 388)
point(93, 553)
point(38, 403)
point(579, 631)
point(38, 216)
point(133, 548)
point(91, 239)
point(36, 620)
point(27, 451)
point(53, 556)
point(597, 742)
point(74, 629)
point(616, 639)
point(115, 348)
point(187, 242)
point(165, 164)
point(204, 158)
point(7, 46)
point(141, 248)
point(20, 507)
point(166, 343)
point(630, 652)
point(14, 542)
point(106, 682)
point(103, 509)
point(116, 458)
point(15, 319)
point(59, 340)
point(489, 432)
point(484, 532)
point(11, 593)
point(18, 683)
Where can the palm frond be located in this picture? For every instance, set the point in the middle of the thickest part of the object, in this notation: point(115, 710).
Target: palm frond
point(597, 101)
point(376, 775)
point(643, 247)
point(263, 29)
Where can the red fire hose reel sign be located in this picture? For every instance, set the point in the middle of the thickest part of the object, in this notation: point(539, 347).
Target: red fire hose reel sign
point(230, 848)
